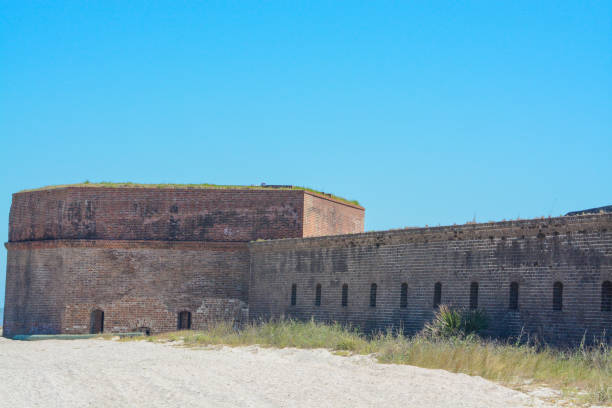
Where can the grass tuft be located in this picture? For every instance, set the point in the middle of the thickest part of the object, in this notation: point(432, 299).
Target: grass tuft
point(583, 374)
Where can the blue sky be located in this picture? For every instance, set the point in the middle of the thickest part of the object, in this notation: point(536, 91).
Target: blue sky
point(426, 112)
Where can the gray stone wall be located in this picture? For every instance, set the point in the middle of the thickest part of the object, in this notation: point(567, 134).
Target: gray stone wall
point(576, 251)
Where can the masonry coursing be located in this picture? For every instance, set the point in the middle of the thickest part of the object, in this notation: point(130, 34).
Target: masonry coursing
point(576, 251)
point(144, 255)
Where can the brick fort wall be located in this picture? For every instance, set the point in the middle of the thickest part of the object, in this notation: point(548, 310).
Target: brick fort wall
point(324, 216)
point(142, 255)
point(533, 254)
point(55, 285)
point(177, 214)
point(155, 214)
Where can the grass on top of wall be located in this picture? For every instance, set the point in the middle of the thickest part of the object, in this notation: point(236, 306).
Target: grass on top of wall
point(583, 374)
point(128, 184)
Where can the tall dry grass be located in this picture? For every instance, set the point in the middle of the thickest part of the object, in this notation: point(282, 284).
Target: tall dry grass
point(583, 374)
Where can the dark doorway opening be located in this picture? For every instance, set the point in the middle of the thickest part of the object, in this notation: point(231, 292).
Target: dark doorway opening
point(96, 322)
point(184, 320)
point(144, 330)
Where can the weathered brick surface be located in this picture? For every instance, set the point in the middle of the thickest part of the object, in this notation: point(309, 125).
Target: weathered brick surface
point(323, 216)
point(576, 251)
point(144, 254)
point(174, 214)
point(54, 286)
point(156, 214)
point(34, 292)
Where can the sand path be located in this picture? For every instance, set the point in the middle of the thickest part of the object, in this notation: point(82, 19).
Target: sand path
point(102, 373)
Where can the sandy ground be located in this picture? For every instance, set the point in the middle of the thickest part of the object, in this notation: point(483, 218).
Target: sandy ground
point(103, 373)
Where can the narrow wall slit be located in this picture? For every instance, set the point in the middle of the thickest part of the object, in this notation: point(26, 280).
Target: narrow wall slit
point(293, 294)
point(345, 295)
point(437, 295)
point(318, 295)
point(514, 294)
point(373, 295)
point(404, 296)
point(474, 295)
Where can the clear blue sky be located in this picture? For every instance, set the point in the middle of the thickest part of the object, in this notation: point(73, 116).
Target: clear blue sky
point(427, 113)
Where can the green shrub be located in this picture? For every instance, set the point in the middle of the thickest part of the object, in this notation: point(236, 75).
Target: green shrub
point(450, 322)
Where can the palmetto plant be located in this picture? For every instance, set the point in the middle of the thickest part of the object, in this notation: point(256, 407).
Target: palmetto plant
point(452, 322)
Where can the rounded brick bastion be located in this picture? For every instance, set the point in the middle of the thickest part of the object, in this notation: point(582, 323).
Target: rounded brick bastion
point(114, 259)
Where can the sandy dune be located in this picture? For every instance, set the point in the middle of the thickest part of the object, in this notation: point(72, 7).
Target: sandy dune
point(102, 373)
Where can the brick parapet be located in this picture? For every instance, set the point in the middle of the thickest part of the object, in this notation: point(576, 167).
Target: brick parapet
point(327, 217)
point(175, 214)
point(334, 200)
point(323, 196)
point(503, 229)
point(156, 214)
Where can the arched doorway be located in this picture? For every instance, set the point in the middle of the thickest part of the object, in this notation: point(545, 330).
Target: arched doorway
point(97, 322)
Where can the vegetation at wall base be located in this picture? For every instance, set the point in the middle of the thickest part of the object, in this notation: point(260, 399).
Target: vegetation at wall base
point(584, 374)
point(450, 322)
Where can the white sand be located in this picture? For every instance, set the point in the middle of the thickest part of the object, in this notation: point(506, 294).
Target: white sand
point(102, 373)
